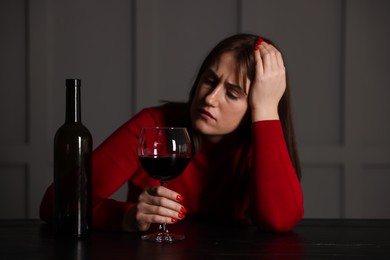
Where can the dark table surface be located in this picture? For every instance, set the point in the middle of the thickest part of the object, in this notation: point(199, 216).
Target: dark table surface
point(311, 239)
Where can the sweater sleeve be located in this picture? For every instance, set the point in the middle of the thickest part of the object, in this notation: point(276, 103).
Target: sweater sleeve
point(276, 194)
point(114, 162)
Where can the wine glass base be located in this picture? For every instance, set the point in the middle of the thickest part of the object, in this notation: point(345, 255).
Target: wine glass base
point(162, 237)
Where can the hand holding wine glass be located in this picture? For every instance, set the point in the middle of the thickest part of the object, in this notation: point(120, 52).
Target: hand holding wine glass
point(164, 153)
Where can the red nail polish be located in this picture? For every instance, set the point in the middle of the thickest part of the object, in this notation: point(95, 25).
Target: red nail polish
point(183, 210)
point(174, 220)
point(260, 41)
point(256, 47)
point(179, 198)
point(181, 215)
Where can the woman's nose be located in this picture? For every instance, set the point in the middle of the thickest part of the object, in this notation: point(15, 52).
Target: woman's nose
point(212, 96)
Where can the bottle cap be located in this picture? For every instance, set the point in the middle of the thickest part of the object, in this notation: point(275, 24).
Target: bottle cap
point(72, 82)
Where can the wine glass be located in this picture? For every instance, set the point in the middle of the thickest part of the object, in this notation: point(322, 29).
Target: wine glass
point(164, 153)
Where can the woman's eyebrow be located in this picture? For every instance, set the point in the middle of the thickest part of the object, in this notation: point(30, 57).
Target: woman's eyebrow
point(210, 73)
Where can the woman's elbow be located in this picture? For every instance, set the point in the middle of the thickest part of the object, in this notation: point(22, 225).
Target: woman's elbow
point(279, 223)
point(47, 206)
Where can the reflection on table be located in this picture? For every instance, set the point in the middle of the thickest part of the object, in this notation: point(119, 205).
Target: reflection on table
point(352, 239)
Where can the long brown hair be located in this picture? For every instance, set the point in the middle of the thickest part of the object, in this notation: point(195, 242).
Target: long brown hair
point(242, 46)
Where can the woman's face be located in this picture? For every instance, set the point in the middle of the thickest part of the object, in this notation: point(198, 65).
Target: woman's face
point(220, 101)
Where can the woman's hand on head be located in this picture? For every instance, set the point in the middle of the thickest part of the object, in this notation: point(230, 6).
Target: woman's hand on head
point(269, 83)
point(156, 204)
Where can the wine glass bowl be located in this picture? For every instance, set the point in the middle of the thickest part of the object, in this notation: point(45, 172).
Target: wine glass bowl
point(164, 153)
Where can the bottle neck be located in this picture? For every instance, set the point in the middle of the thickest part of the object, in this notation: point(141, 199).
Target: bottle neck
point(73, 105)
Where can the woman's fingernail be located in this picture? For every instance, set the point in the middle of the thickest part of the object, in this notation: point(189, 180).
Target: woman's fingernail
point(183, 210)
point(174, 220)
point(260, 41)
point(179, 198)
point(181, 215)
point(256, 47)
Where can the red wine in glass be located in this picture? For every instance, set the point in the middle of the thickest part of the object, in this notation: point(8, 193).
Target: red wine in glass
point(164, 168)
point(164, 153)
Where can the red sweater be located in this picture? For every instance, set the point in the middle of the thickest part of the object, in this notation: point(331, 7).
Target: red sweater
point(227, 182)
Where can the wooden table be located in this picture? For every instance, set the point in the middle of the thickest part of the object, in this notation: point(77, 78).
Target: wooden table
point(311, 239)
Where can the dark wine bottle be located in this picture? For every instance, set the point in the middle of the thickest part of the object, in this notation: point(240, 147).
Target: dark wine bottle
point(72, 169)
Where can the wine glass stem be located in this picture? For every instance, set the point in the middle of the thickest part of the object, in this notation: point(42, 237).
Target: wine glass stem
point(163, 228)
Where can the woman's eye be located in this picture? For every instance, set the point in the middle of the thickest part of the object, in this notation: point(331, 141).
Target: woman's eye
point(232, 95)
point(209, 81)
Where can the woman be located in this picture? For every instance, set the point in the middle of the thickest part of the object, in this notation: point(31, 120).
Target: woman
point(245, 166)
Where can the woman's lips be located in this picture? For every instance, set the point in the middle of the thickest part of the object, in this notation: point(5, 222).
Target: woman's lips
point(205, 114)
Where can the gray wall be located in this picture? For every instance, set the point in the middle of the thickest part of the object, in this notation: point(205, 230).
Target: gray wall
point(131, 54)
